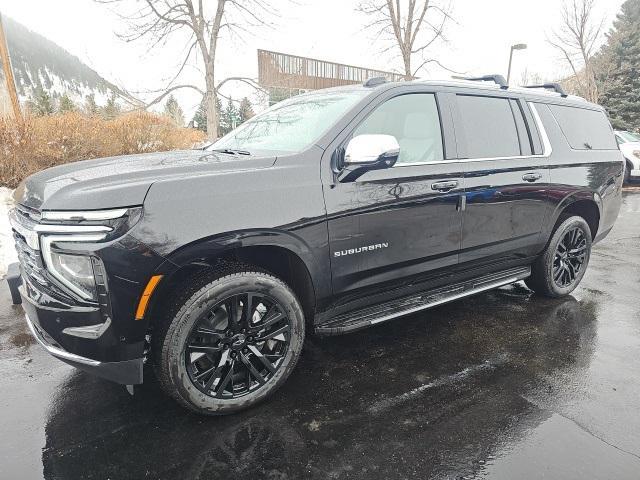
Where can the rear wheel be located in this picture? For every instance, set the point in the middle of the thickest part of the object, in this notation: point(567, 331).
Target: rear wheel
point(559, 270)
point(232, 341)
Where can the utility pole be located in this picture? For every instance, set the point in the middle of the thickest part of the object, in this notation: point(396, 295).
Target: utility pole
point(8, 74)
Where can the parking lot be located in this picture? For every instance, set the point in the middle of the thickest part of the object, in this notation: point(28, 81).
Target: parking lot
point(500, 385)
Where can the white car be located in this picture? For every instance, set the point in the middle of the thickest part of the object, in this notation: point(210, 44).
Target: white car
point(629, 143)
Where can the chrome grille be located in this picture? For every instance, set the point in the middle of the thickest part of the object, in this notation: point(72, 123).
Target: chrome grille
point(24, 222)
point(30, 260)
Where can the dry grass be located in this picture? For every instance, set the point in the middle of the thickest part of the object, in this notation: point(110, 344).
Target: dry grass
point(42, 142)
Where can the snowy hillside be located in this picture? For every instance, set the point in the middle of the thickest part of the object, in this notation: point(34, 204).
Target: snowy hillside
point(40, 63)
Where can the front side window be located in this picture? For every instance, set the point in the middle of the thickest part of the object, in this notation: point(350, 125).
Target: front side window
point(489, 127)
point(293, 125)
point(413, 119)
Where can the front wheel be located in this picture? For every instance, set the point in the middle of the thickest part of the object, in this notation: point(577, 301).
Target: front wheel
point(559, 270)
point(232, 340)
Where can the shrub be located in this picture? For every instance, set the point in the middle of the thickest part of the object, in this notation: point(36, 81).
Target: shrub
point(42, 142)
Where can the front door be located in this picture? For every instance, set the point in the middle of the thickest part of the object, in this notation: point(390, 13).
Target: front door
point(389, 226)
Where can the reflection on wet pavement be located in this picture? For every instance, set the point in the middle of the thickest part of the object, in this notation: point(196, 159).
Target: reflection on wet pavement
point(501, 385)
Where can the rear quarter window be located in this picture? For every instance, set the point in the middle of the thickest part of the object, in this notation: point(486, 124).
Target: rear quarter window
point(585, 129)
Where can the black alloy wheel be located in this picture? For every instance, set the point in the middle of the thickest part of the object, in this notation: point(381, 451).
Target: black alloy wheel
point(238, 345)
point(563, 263)
point(569, 257)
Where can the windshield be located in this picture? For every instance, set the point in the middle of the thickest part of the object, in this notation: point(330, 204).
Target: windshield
point(292, 125)
point(629, 137)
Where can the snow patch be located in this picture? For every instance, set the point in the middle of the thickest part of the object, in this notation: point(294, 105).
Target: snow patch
point(8, 253)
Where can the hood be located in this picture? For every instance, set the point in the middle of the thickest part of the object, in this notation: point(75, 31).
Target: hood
point(122, 181)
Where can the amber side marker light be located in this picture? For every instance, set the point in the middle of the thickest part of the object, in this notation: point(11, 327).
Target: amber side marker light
point(146, 296)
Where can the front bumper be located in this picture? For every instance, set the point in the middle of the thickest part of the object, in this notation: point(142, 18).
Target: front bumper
point(47, 323)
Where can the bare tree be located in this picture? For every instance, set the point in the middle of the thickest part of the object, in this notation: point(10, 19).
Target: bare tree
point(577, 39)
point(412, 26)
point(202, 22)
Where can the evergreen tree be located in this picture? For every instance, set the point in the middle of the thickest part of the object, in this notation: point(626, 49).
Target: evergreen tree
point(112, 109)
point(41, 102)
point(66, 104)
point(199, 119)
point(172, 110)
point(619, 69)
point(90, 106)
point(245, 111)
point(230, 118)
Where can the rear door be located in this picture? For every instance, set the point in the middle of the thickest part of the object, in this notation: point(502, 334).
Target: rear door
point(506, 178)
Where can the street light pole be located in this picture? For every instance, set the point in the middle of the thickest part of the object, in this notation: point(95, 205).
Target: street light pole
point(517, 46)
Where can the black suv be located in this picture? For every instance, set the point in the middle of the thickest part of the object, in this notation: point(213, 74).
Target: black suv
point(331, 211)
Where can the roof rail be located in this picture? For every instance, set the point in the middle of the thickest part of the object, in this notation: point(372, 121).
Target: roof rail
point(498, 79)
point(555, 86)
point(375, 81)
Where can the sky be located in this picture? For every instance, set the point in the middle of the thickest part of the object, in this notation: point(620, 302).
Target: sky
point(478, 41)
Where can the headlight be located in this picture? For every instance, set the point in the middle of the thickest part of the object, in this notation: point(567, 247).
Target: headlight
point(72, 270)
point(636, 153)
point(76, 271)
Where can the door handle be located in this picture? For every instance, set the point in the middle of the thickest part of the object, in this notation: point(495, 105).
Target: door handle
point(531, 177)
point(444, 186)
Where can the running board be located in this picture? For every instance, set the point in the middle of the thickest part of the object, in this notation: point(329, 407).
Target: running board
point(356, 320)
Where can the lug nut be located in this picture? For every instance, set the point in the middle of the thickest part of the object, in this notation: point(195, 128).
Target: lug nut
point(233, 355)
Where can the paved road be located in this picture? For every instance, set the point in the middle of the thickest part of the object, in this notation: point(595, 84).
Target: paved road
point(503, 385)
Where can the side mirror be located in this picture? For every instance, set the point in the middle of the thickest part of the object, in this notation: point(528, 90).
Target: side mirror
point(368, 152)
point(372, 150)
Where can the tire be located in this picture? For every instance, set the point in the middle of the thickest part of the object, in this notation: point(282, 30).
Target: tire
point(214, 358)
point(627, 174)
point(559, 270)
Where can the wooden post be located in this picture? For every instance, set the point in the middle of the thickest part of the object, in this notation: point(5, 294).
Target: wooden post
point(8, 74)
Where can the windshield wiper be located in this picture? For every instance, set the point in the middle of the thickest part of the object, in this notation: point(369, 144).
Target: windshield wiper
point(229, 151)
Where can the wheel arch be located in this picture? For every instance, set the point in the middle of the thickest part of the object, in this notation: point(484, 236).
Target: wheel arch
point(279, 253)
point(587, 205)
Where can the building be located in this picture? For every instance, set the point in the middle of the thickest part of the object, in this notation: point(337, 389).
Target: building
point(284, 75)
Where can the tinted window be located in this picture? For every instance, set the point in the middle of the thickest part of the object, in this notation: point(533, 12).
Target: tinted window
point(489, 127)
point(413, 119)
point(584, 129)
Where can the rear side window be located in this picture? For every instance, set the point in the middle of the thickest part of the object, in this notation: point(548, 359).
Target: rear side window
point(584, 129)
point(413, 119)
point(489, 127)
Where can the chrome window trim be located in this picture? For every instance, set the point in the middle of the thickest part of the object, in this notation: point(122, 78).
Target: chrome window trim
point(90, 215)
point(47, 240)
point(547, 149)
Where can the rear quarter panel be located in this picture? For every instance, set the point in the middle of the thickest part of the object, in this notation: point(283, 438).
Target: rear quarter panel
point(595, 175)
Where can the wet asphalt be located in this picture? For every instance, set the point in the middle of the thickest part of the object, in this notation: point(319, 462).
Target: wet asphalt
point(503, 385)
